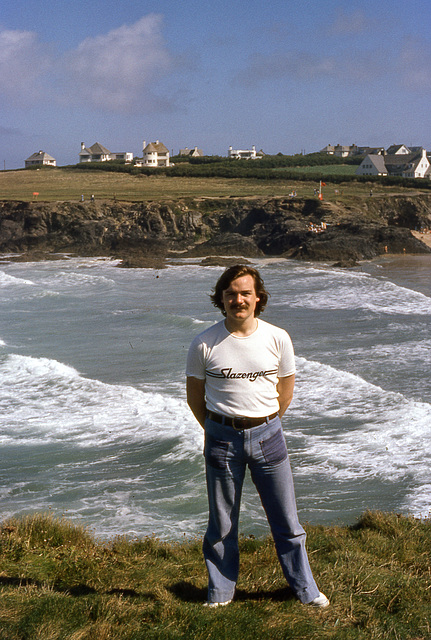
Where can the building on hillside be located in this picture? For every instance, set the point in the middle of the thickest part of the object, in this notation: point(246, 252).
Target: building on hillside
point(376, 151)
point(399, 149)
point(191, 153)
point(343, 151)
point(98, 153)
point(372, 165)
point(245, 154)
point(406, 165)
point(329, 150)
point(40, 158)
point(155, 154)
point(339, 150)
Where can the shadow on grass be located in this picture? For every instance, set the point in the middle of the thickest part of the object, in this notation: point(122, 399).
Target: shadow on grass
point(76, 591)
point(187, 592)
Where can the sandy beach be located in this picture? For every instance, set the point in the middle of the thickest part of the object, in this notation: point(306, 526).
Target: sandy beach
point(425, 237)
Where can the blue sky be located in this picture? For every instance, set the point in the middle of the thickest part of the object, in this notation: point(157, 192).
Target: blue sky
point(285, 75)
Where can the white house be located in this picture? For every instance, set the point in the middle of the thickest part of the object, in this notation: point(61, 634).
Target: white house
point(245, 154)
point(155, 154)
point(40, 158)
point(372, 165)
point(98, 153)
point(416, 165)
point(406, 165)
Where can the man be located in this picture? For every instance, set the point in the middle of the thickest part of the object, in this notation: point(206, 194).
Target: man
point(240, 379)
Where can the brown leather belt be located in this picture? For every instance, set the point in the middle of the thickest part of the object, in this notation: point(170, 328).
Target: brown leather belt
point(239, 423)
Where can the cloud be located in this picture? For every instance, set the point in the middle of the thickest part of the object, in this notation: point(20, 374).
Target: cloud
point(117, 71)
point(24, 62)
point(348, 24)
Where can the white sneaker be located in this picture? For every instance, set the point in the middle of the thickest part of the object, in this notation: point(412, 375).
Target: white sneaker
point(217, 604)
point(321, 601)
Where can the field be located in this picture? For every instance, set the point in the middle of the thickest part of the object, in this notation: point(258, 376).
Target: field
point(57, 582)
point(68, 185)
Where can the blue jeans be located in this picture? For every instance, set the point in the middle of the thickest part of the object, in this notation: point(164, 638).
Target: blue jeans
point(263, 449)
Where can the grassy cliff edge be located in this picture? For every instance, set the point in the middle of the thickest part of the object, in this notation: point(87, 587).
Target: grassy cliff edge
point(57, 581)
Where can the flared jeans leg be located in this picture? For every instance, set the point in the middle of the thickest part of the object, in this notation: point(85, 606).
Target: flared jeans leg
point(274, 484)
point(220, 546)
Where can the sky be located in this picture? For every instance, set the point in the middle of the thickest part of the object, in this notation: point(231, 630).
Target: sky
point(287, 76)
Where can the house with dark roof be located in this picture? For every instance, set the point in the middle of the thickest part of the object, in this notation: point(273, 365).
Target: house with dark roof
point(399, 150)
point(406, 165)
point(98, 153)
point(40, 158)
point(344, 151)
point(191, 153)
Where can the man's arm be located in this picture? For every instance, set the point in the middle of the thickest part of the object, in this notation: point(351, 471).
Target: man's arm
point(196, 398)
point(285, 392)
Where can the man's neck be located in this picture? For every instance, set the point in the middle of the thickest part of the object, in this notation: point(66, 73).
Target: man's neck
point(241, 328)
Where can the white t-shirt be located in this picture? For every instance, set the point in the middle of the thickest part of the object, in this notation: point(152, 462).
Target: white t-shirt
point(241, 374)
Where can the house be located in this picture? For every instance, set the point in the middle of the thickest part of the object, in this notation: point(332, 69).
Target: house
point(98, 153)
point(155, 154)
point(191, 153)
point(339, 150)
point(372, 165)
point(329, 150)
point(406, 165)
point(409, 165)
point(398, 149)
point(364, 151)
point(40, 158)
point(343, 151)
point(245, 154)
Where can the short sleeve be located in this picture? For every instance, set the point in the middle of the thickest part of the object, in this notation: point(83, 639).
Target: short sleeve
point(287, 357)
point(195, 367)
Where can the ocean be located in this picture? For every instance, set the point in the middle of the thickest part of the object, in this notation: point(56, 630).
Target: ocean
point(94, 424)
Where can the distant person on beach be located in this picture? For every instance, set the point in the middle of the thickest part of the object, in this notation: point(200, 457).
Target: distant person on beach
point(240, 379)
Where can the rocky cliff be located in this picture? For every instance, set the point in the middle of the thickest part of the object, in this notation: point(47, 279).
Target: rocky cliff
point(144, 233)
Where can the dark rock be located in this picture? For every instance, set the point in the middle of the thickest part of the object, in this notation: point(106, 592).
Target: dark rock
point(217, 261)
point(345, 264)
point(145, 233)
point(353, 242)
point(227, 244)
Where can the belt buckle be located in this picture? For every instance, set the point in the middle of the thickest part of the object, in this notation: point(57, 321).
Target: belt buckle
point(238, 423)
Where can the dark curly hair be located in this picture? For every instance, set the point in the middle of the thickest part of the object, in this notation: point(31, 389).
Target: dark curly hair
point(232, 273)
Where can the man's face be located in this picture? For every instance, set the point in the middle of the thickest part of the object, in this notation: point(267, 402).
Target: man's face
point(240, 299)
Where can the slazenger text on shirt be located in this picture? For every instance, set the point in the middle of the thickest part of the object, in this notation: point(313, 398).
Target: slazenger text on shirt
point(251, 375)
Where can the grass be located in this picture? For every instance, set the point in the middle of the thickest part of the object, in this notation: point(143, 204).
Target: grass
point(68, 185)
point(57, 581)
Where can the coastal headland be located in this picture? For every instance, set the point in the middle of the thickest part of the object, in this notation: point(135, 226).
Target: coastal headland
point(146, 220)
point(147, 233)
